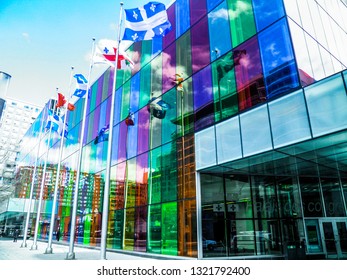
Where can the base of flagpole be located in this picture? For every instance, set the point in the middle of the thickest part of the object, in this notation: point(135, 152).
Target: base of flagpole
point(70, 256)
point(24, 245)
point(49, 250)
point(33, 247)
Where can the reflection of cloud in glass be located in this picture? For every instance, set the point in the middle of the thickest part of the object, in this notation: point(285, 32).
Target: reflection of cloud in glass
point(240, 7)
point(219, 14)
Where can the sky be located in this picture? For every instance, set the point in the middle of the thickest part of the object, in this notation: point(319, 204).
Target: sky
point(40, 40)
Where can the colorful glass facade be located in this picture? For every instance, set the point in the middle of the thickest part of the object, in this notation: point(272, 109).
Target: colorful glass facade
point(243, 72)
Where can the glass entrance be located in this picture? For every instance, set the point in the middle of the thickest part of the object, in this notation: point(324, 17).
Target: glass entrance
point(334, 237)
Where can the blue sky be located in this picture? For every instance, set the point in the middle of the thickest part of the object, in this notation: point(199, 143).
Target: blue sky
point(42, 39)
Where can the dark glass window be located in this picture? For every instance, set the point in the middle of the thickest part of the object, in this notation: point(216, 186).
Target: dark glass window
point(311, 199)
point(200, 45)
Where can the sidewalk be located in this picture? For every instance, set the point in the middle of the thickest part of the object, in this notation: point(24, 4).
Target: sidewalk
point(10, 250)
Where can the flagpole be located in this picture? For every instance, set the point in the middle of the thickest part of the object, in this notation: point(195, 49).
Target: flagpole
point(34, 245)
point(109, 151)
point(24, 244)
point(49, 249)
point(71, 255)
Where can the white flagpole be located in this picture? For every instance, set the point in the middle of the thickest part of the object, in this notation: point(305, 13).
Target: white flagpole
point(49, 249)
point(71, 254)
point(43, 179)
point(24, 244)
point(109, 152)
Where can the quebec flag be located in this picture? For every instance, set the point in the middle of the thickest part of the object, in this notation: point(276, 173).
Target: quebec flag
point(56, 123)
point(147, 22)
point(81, 85)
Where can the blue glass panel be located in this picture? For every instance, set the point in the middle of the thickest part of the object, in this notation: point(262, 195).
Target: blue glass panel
point(327, 105)
point(228, 132)
point(205, 148)
point(278, 59)
point(118, 105)
point(264, 14)
point(219, 30)
point(211, 4)
point(289, 119)
point(203, 98)
point(132, 138)
point(135, 92)
point(255, 128)
point(182, 17)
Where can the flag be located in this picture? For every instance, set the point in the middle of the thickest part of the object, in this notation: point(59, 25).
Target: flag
point(227, 64)
point(158, 107)
point(129, 121)
point(178, 80)
point(62, 101)
point(105, 52)
point(81, 85)
point(146, 22)
point(56, 123)
point(102, 135)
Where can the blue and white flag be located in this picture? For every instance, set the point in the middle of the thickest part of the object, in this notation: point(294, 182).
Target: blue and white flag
point(147, 22)
point(81, 85)
point(56, 123)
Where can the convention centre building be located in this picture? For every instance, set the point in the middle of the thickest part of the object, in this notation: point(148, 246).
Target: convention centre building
point(246, 160)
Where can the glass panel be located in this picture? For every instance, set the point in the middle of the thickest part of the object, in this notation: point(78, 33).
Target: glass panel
point(241, 20)
point(205, 148)
point(169, 172)
point(310, 195)
point(242, 238)
point(238, 197)
point(327, 105)
point(248, 73)
point(115, 229)
point(154, 229)
point(169, 122)
point(289, 119)
point(154, 191)
point(182, 17)
point(268, 237)
point(264, 16)
point(129, 228)
point(142, 180)
point(143, 131)
point(332, 197)
point(197, 10)
point(264, 197)
point(169, 228)
point(200, 44)
point(183, 56)
point(187, 239)
point(329, 238)
point(278, 59)
point(228, 132)
point(211, 4)
point(145, 85)
point(132, 137)
point(130, 194)
point(313, 243)
point(289, 197)
point(203, 98)
point(140, 235)
point(224, 87)
point(255, 129)
point(170, 37)
point(342, 233)
point(169, 68)
point(219, 31)
point(125, 100)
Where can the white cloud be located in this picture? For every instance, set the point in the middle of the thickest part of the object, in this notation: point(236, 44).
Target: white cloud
point(26, 36)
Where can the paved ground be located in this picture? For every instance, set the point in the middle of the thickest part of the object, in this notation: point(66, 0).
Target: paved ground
point(10, 250)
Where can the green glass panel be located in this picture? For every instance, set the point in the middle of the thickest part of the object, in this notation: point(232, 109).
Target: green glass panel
point(185, 109)
point(129, 228)
point(169, 125)
point(154, 184)
point(125, 101)
point(169, 172)
point(145, 85)
point(154, 229)
point(224, 87)
point(131, 183)
point(105, 88)
point(115, 229)
point(86, 229)
point(93, 96)
point(169, 229)
point(241, 20)
point(184, 56)
point(146, 52)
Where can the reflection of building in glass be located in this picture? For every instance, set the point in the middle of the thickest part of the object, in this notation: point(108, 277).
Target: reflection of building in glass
point(248, 162)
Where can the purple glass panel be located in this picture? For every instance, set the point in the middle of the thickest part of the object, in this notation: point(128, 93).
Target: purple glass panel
point(203, 98)
point(140, 236)
point(101, 84)
point(122, 141)
point(249, 75)
point(171, 36)
point(96, 120)
point(143, 131)
point(141, 179)
point(136, 57)
point(110, 81)
point(197, 10)
point(200, 45)
point(169, 67)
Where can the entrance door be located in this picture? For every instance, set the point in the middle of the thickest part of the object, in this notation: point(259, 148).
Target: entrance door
point(334, 237)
